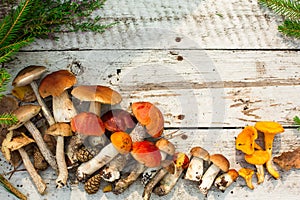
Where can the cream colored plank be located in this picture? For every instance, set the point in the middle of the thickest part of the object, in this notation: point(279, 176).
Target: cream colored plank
point(233, 24)
point(215, 141)
point(205, 89)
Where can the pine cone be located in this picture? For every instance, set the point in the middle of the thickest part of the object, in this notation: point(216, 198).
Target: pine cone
point(92, 185)
point(85, 154)
point(39, 161)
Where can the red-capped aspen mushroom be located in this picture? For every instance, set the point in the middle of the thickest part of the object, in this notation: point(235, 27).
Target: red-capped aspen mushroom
point(55, 85)
point(166, 148)
point(223, 181)
point(17, 143)
point(245, 140)
point(196, 166)
point(258, 158)
point(270, 129)
point(29, 75)
point(219, 163)
point(96, 95)
point(84, 124)
point(60, 130)
point(24, 114)
point(247, 174)
point(145, 109)
point(168, 182)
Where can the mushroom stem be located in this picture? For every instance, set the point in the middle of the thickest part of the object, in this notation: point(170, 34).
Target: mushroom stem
point(269, 138)
point(101, 159)
point(223, 181)
point(36, 178)
point(124, 183)
point(208, 178)
point(46, 112)
point(195, 169)
point(95, 107)
point(112, 170)
point(63, 108)
point(41, 144)
point(260, 174)
point(151, 184)
point(61, 180)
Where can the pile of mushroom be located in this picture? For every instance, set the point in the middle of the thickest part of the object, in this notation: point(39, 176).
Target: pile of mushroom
point(119, 146)
point(254, 153)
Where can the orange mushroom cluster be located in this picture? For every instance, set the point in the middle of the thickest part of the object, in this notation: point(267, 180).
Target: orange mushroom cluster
point(254, 153)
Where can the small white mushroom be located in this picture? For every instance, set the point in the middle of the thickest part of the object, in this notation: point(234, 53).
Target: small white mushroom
point(219, 163)
point(223, 181)
point(196, 166)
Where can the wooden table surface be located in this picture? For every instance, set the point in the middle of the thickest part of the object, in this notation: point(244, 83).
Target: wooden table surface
point(212, 67)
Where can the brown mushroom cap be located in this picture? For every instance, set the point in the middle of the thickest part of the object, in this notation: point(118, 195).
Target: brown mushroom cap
point(165, 146)
point(23, 114)
point(56, 83)
point(199, 152)
point(98, 93)
point(87, 123)
point(19, 142)
point(259, 157)
point(220, 161)
point(27, 75)
point(150, 117)
point(59, 129)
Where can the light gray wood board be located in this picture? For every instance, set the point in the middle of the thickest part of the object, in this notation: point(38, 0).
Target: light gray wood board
point(208, 88)
point(147, 24)
point(215, 141)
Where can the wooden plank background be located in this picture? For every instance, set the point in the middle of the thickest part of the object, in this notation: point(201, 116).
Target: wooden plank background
point(212, 67)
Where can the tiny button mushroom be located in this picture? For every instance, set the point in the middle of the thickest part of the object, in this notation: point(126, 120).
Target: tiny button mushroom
point(219, 163)
point(247, 174)
point(196, 166)
point(270, 129)
point(223, 181)
point(17, 143)
point(60, 130)
point(24, 114)
point(55, 85)
point(258, 158)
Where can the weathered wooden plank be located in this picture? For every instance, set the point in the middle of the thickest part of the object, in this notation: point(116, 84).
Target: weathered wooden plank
point(205, 89)
point(148, 24)
point(215, 141)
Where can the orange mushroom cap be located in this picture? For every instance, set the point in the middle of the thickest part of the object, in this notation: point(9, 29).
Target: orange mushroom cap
point(121, 141)
point(258, 157)
point(146, 153)
point(150, 117)
point(181, 160)
point(87, 123)
point(245, 141)
point(56, 83)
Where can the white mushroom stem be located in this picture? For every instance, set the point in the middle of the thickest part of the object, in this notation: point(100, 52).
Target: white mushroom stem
point(223, 181)
point(208, 178)
point(195, 169)
point(113, 170)
point(107, 154)
point(62, 178)
point(46, 112)
point(95, 107)
point(124, 183)
point(149, 187)
point(260, 174)
point(168, 182)
point(36, 178)
point(49, 157)
point(63, 108)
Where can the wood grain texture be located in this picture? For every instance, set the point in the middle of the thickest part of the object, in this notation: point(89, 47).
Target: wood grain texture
point(196, 24)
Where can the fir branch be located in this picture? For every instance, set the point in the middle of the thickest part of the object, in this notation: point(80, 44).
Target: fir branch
point(8, 119)
point(290, 9)
point(4, 80)
point(290, 28)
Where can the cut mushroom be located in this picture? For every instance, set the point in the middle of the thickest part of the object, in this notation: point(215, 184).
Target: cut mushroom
point(55, 85)
point(219, 163)
point(84, 124)
point(196, 166)
point(29, 75)
point(223, 181)
point(24, 114)
point(18, 143)
point(258, 158)
point(270, 129)
point(142, 111)
point(169, 180)
point(60, 130)
point(247, 174)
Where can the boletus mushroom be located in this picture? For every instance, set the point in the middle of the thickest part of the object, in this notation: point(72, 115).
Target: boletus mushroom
point(223, 181)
